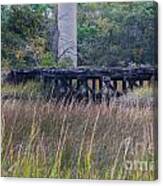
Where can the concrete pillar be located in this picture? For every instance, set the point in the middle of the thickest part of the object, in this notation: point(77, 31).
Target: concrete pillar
point(67, 26)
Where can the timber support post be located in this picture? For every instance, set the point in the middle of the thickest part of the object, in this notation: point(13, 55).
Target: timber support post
point(94, 89)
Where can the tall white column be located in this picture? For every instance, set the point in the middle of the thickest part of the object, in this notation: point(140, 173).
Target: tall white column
point(67, 26)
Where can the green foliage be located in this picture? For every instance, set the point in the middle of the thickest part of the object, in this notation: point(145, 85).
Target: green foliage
point(31, 89)
point(47, 60)
point(65, 62)
point(24, 34)
point(144, 92)
point(109, 33)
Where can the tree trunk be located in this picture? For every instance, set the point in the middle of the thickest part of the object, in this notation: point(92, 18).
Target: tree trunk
point(67, 26)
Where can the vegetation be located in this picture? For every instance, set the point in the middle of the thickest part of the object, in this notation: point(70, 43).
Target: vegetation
point(29, 90)
point(117, 33)
point(23, 35)
point(108, 34)
point(51, 139)
point(44, 139)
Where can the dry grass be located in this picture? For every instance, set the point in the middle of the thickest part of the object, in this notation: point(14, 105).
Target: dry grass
point(45, 139)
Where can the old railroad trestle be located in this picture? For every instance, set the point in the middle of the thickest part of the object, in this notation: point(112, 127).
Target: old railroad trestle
point(87, 83)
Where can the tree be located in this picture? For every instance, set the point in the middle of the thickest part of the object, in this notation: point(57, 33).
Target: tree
point(104, 34)
point(117, 33)
point(24, 34)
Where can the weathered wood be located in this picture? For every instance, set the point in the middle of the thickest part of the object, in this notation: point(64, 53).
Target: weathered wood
point(94, 89)
point(141, 83)
point(59, 81)
point(115, 85)
point(78, 84)
point(131, 84)
point(70, 82)
point(124, 86)
point(100, 89)
point(85, 83)
point(136, 74)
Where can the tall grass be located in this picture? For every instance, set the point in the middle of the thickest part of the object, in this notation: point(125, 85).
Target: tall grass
point(46, 139)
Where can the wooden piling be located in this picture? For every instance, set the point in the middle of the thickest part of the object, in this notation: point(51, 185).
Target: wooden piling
point(131, 85)
point(94, 89)
point(115, 85)
point(124, 87)
point(100, 89)
point(141, 83)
